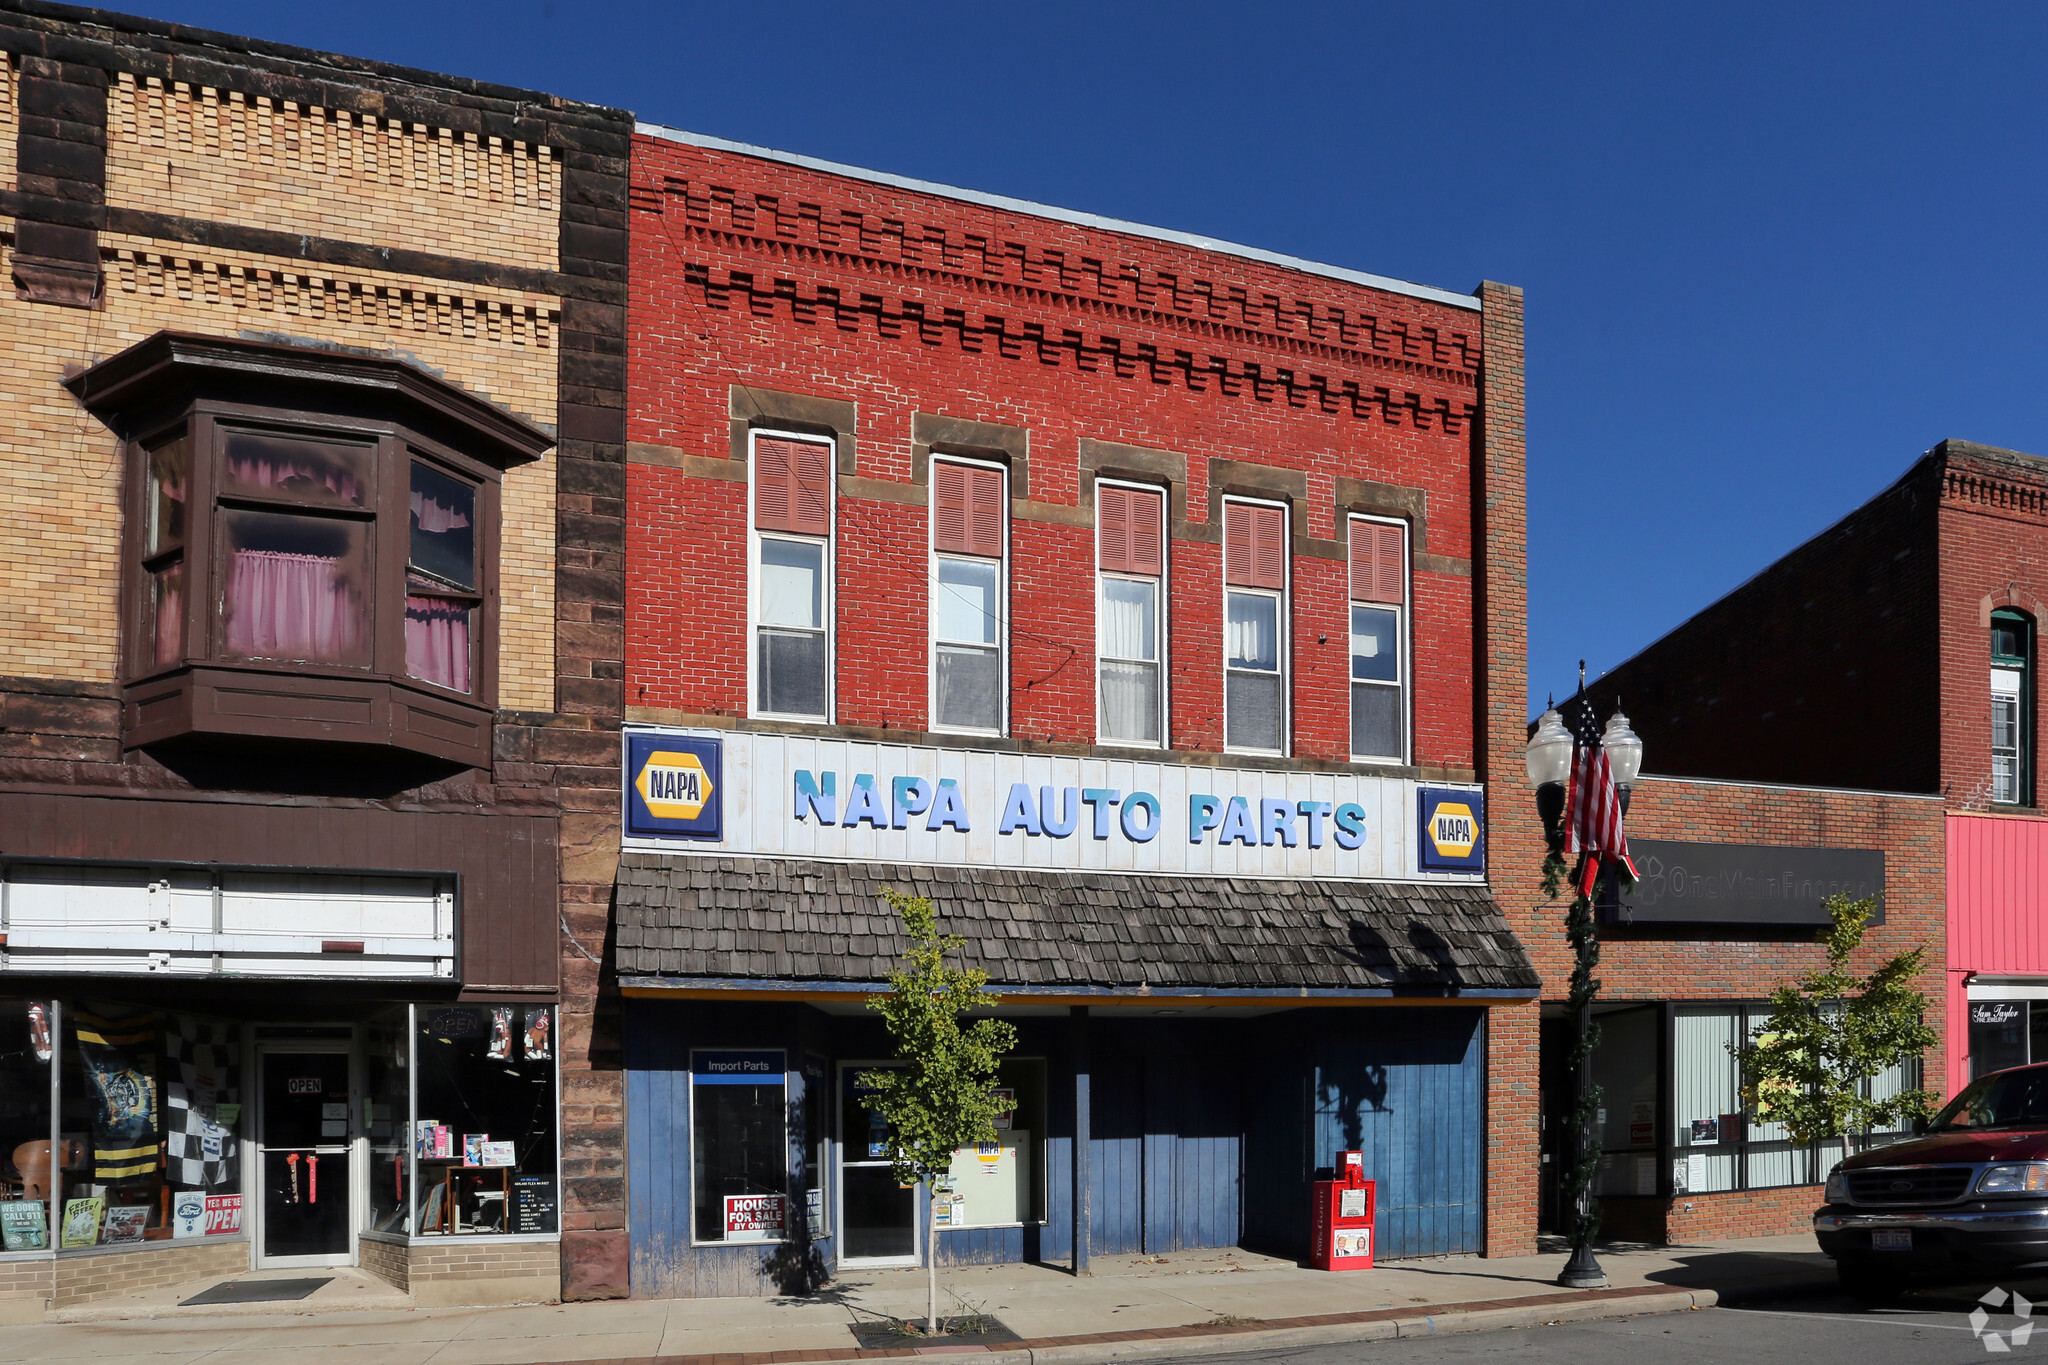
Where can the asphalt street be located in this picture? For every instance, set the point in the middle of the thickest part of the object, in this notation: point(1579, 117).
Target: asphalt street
point(1926, 1328)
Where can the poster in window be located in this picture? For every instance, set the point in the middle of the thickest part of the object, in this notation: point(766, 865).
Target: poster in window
point(501, 1033)
point(82, 1222)
point(24, 1225)
point(125, 1224)
point(473, 1148)
point(119, 1058)
point(498, 1154)
point(539, 1033)
point(188, 1214)
point(753, 1217)
point(534, 1197)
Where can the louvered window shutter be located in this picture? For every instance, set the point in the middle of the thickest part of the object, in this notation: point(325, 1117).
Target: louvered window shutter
point(793, 486)
point(1379, 565)
point(967, 510)
point(812, 488)
point(1255, 546)
point(1142, 517)
point(1113, 523)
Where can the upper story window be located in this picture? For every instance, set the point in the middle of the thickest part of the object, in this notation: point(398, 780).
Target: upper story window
point(2012, 693)
point(1255, 626)
point(969, 585)
point(1130, 551)
point(1379, 639)
point(311, 548)
point(792, 563)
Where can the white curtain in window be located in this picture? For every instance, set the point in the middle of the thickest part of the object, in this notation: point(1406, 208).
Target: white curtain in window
point(791, 588)
point(1129, 619)
point(1250, 638)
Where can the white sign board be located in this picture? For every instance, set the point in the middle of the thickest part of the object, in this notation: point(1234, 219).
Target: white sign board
point(705, 792)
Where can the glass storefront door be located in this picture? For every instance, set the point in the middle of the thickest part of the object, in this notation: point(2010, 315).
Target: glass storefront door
point(878, 1217)
point(303, 1139)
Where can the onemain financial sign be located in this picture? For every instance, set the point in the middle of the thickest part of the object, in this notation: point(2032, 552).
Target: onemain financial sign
point(791, 796)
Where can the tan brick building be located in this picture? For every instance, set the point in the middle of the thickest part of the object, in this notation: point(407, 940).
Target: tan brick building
point(314, 380)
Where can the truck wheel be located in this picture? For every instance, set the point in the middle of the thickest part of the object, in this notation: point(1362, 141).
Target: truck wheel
point(1868, 1285)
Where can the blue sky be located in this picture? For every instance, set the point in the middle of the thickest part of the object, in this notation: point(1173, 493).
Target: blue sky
point(1772, 253)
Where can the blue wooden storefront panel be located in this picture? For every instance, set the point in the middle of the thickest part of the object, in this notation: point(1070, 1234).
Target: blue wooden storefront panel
point(663, 1264)
point(1412, 1099)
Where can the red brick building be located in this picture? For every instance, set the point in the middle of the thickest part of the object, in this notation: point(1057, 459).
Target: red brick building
point(1892, 653)
point(938, 503)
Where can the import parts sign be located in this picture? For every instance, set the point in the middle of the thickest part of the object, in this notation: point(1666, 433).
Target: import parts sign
point(794, 796)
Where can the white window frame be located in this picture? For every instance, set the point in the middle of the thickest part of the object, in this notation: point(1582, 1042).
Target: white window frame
point(1404, 645)
point(1283, 629)
point(932, 556)
point(2012, 693)
point(1159, 619)
point(830, 604)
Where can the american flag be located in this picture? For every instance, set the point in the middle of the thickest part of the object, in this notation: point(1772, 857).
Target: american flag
point(1592, 809)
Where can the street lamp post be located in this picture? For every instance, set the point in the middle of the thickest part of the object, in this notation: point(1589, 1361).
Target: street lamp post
point(1549, 759)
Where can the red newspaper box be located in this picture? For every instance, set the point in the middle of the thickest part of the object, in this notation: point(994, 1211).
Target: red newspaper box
point(1344, 1210)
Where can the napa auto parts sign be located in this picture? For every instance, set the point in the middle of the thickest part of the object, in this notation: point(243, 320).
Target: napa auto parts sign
point(698, 792)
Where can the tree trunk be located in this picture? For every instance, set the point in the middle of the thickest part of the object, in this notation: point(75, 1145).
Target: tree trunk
point(931, 1259)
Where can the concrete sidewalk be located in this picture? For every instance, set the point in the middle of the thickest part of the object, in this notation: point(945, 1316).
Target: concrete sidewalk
point(1182, 1304)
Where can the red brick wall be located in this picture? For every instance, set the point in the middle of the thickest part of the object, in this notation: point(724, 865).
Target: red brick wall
point(1501, 458)
point(1994, 553)
point(754, 273)
point(1820, 670)
point(1667, 963)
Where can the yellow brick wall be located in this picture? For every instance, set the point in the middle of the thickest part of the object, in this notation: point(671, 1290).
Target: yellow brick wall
point(197, 152)
point(83, 1279)
point(10, 119)
point(60, 510)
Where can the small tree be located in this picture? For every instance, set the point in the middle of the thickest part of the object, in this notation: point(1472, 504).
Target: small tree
point(942, 1097)
point(1830, 1032)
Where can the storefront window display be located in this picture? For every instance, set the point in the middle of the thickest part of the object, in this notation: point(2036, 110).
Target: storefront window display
point(27, 1172)
point(484, 1120)
point(740, 1145)
point(1718, 1144)
point(387, 1103)
point(994, 1184)
point(150, 1103)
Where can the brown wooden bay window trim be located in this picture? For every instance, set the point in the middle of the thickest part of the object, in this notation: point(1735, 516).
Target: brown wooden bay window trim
point(311, 547)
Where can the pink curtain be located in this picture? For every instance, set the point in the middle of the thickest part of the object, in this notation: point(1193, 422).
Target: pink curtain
point(170, 613)
point(286, 606)
point(260, 472)
point(432, 516)
point(437, 641)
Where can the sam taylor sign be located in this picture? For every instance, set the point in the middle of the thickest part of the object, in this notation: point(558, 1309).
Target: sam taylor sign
point(799, 797)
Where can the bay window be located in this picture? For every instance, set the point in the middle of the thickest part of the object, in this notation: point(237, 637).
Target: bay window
point(1130, 558)
point(312, 546)
point(970, 545)
point(1379, 639)
point(792, 576)
point(1255, 627)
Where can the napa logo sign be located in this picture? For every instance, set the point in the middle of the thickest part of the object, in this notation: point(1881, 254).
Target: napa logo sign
point(673, 786)
point(704, 792)
point(1452, 833)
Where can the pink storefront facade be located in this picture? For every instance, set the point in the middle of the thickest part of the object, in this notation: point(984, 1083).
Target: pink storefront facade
point(1997, 943)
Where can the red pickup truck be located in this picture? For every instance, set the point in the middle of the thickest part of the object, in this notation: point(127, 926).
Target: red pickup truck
point(1968, 1197)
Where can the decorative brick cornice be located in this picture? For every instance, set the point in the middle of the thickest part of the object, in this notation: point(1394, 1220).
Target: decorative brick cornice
point(873, 240)
point(1994, 493)
point(1091, 352)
